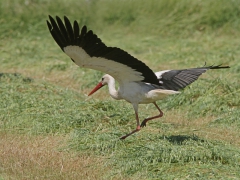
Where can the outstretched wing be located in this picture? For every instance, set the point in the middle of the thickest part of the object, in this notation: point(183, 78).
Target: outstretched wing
point(87, 50)
point(179, 79)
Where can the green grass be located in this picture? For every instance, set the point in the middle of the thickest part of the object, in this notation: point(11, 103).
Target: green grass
point(44, 94)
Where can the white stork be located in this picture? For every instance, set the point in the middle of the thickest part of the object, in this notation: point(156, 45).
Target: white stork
point(138, 84)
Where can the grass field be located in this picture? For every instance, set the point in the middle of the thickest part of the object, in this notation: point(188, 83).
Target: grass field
point(50, 129)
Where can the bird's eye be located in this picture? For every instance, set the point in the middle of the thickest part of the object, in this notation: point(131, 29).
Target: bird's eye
point(102, 79)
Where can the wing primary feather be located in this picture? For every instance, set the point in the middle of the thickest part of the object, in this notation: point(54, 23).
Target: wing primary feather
point(88, 40)
point(63, 29)
point(69, 29)
point(57, 30)
point(76, 32)
point(83, 30)
point(219, 67)
point(54, 35)
point(179, 79)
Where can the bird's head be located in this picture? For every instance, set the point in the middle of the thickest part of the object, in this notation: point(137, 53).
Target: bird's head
point(104, 81)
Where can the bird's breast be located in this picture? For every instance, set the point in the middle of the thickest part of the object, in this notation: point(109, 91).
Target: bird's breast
point(135, 92)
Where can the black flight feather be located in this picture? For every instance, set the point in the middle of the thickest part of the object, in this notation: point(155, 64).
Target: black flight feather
point(179, 79)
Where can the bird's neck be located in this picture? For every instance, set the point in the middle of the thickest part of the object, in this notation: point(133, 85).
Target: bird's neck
point(112, 90)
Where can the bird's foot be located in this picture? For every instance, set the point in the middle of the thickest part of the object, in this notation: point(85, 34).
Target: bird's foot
point(143, 124)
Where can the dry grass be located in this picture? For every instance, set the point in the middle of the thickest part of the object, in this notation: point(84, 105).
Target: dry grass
point(39, 157)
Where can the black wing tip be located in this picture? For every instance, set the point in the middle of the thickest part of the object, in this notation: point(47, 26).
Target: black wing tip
point(84, 29)
point(65, 19)
point(218, 67)
point(58, 18)
point(49, 24)
point(51, 18)
point(178, 80)
point(215, 67)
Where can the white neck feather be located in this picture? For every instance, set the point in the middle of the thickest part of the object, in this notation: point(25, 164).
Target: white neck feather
point(111, 87)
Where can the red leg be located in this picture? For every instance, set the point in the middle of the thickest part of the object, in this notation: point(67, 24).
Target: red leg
point(138, 124)
point(136, 130)
point(154, 117)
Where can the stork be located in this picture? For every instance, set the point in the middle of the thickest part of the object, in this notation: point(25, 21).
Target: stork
point(138, 84)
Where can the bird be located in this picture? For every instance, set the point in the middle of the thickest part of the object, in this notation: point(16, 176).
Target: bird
point(138, 84)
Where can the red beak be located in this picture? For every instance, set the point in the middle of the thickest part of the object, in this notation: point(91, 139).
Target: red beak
point(96, 88)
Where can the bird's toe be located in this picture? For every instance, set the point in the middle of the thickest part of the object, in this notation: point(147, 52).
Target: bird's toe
point(143, 124)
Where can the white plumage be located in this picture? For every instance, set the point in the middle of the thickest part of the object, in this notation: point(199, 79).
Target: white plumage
point(116, 69)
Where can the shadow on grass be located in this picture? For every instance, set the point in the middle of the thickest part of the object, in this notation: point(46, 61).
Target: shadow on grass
point(179, 139)
point(13, 76)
